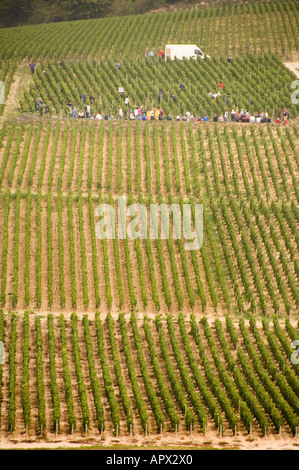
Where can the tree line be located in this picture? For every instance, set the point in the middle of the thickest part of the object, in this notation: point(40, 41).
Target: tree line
point(18, 12)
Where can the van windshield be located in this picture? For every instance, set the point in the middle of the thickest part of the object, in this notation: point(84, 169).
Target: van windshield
point(197, 51)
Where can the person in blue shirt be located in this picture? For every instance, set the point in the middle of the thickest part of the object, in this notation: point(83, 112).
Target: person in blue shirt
point(205, 118)
point(32, 67)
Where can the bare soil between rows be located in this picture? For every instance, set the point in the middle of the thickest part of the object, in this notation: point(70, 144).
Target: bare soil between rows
point(211, 440)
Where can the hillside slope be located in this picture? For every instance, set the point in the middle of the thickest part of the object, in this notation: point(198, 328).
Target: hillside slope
point(227, 30)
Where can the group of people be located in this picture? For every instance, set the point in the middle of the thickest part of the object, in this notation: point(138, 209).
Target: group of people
point(85, 111)
point(190, 117)
point(156, 113)
point(75, 114)
point(153, 113)
point(245, 116)
point(142, 114)
point(151, 54)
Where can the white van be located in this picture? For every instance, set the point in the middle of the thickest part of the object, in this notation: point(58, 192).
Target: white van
point(189, 51)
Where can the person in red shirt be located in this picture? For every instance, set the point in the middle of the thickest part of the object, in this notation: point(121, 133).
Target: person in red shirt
point(220, 84)
point(160, 54)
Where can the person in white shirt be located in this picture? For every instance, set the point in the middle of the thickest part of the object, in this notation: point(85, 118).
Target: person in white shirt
point(99, 116)
point(88, 111)
point(120, 113)
point(188, 115)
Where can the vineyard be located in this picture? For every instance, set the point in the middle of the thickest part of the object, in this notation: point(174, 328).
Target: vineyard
point(95, 375)
point(50, 192)
point(262, 79)
point(138, 339)
point(256, 27)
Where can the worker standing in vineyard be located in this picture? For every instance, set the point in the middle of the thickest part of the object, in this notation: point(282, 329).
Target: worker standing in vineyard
point(160, 95)
point(32, 67)
point(285, 115)
point(225, 98)
point(88, 111)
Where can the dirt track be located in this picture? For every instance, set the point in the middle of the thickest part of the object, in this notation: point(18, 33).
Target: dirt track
point(211, 440)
